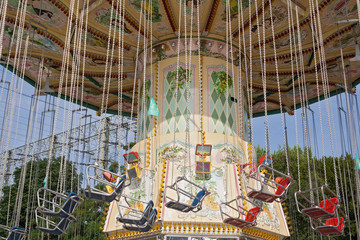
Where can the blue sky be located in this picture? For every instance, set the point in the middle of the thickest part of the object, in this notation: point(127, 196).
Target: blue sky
point(22, 110)
point(276, 129)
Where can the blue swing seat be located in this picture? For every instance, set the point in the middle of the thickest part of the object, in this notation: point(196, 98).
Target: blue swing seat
point(147, 226)
point(106, 197)
point(67, 209)
point(146, 215)
point(185, 207)
point(59, 229)
point(16, 233)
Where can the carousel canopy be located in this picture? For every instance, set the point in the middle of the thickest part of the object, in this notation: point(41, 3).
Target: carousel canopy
point(256, 27)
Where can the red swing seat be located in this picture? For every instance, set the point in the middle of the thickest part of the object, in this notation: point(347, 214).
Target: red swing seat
point(249, 219)
point(332, 227)
point(321, 211)
point(269, 197)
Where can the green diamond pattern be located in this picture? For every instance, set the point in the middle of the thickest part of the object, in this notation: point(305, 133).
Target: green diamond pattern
point(176, 108)
point(223, 99)
point(214, 96)
point(230, 120)
point(215, 116)
point(223, 118)
point(221, 112)
point(168, 115)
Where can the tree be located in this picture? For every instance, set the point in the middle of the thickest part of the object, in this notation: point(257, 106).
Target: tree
point(89, 214)
point(300, 222)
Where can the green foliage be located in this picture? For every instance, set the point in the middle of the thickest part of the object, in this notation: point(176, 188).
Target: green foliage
point(301, 224)
point(179, 77)
point(223, 82)
point(126, 147)
point(88, 215)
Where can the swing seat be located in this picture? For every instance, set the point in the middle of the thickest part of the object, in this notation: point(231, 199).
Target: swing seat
point(108, 176)
point(67, 209)
point(321, 211)
point(249, 219)
point(147, 226)
point(59, 229)
point(332, 227)
point(182, 207)
point(107, 197)
point(266, 196)
point(145, 217)
point(16, 233)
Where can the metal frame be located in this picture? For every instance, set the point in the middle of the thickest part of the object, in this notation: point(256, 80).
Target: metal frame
point(203, 162)
point(51, 226)
point(99, 178)
point(180, 191)
point(241, 212)
point(329, 230)
point(134, 216)
point(14, 230)
point(57, 203)
point(271, 197)
point(314, 210)
point(136, 154)
point(203, 145)
point(135, 166)
point(147, 226)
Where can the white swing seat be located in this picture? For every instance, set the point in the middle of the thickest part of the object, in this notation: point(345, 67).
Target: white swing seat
point(234, 214)
point(196, 201)
point(278, 189)
point(100, 178)
point(146, 227)
point(62, 206)
point(15, 233)
point(320, 210)
point(133, 216)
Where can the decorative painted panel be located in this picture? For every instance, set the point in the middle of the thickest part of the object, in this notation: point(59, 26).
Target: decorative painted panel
point(175, 97)
point(221, 108)
point(144, 129)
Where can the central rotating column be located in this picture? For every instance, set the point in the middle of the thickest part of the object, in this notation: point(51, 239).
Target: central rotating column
point(199, 103)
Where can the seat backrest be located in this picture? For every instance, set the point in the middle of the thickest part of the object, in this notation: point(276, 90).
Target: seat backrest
point(123, 178)
point(108, 176)
point(149, 206)
point(118, 189)
point(250, 217)
point(153, 215)
point(70, 202)
point(63, 224)
point(16, 233)
point(330, 204)
point(284, 182)
point(334, 222)
point(198, 198)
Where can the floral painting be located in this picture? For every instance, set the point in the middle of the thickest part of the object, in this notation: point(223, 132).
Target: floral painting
point(173, 153)
point(229, 155)
point(37, 40)
point(104, 17)
point(147, 4)
point(44, 11)
point(179, 77)
point(222, 81)
point(234, 8)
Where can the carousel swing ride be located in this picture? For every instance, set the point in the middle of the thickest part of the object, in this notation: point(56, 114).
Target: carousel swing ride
point(192, 74)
